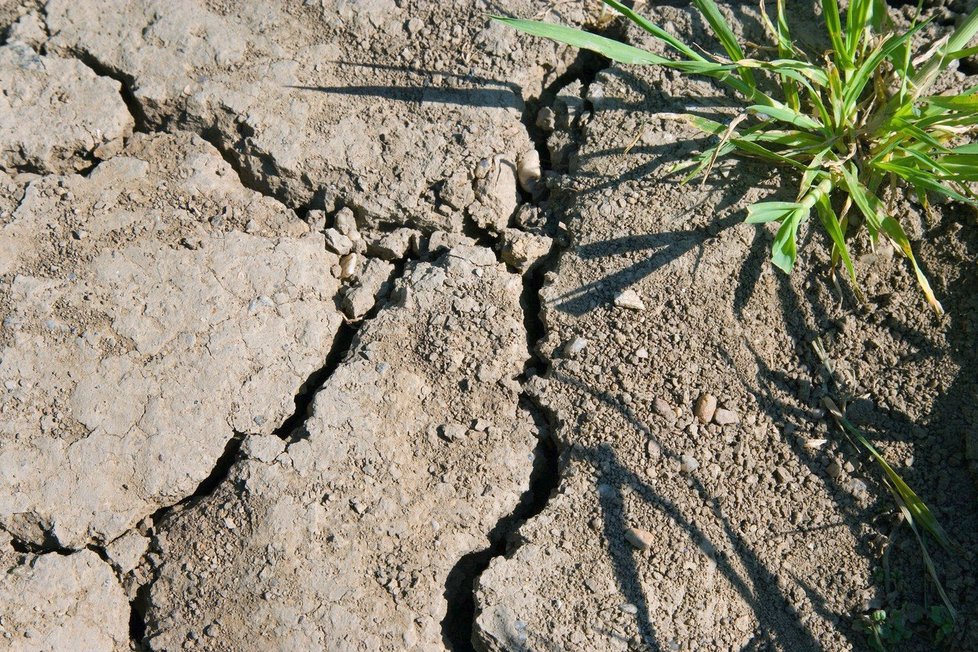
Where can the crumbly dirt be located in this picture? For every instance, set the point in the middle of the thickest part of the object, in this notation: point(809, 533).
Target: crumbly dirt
point(306, 307)
point(766, 533)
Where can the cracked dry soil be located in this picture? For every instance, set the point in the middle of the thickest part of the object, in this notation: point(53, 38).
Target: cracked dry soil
point(299, 351)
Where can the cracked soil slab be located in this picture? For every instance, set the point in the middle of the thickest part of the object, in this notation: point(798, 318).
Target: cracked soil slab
point(408, 112)
point(152, 309)
point(344, 538)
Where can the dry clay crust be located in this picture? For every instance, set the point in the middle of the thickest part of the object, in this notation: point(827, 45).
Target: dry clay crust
point(345, 539)
point(58, 602)
point(409, 112)
point(56, 115)
point(759, 529)
point(151, 310)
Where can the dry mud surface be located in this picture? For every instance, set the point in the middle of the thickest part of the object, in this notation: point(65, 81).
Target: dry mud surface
point(301, 350)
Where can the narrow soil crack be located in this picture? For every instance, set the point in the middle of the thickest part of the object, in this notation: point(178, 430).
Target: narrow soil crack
point(142, 124)
point(343, 343)
point(291, 430)
point(458, 626)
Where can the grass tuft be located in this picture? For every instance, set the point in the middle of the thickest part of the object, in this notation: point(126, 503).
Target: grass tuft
point(850, 122)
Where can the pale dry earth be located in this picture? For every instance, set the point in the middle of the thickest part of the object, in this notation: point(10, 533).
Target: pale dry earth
point(294, 331)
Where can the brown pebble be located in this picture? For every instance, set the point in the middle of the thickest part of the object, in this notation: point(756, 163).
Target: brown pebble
point(640, 539)
point(705, 406)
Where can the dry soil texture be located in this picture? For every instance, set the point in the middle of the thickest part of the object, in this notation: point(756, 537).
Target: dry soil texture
point(307, 307)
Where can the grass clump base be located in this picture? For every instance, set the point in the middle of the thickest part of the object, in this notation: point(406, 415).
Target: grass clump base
point(851, 122)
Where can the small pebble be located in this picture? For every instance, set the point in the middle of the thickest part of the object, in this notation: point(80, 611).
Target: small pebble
point(640, 539)
point(663, 409)
point(688, 464)
point(346, 223)
point(834, 469)
point(337, 242)
point(653, 449)
point(629, 299)
point(575, 346)
point(348, 266)
point(723, 417)
point(706, 406)
point(452, 431)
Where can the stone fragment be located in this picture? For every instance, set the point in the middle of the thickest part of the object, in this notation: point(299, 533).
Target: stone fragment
point(639, 539)
point(688, 464)
point(337, 242)
point(346, 223)
point(28, 29)
point(523, 250)
point(858, 487)
point(528, 170)
point(394, 245)
point(629, 299)
point(546, 119)
point(348, 265)
point(56, 115)
point(452, 431)
point(372, 282)
point(705, 408)
point(834, 469)
point(126, 551)
point(457, 191)
point(440, 241)
point(497, 195)
point(663, 409)
point(264, 448)
point(724, 417)
point(574, 346)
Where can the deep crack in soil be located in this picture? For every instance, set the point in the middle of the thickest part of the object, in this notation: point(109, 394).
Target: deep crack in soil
point(459, 622)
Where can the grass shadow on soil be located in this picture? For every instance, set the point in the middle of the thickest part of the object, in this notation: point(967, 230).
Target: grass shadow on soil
point(759, 589)
point(806, 315)
point(393, 84)
point(662, 249)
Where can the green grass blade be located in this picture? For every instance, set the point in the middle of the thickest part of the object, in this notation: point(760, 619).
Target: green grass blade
point(833, 24)
point(784, 251)
point(928, 562)
point(769, 211)
point(893, 229)
point(655, 30)
point(831, 224)
point(857, 16)
point(918, 508)
point(725, 35)
point(785, 114)
point(607, 47)
point(954, 102)
point(957, 41)
point(856, 84)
